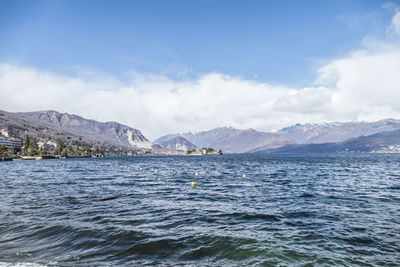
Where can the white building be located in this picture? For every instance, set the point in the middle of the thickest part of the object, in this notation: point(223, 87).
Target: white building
point(12, 144)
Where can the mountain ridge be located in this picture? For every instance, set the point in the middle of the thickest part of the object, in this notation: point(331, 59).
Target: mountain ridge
point(112, 132)
point(317, 133)
point(388, 141)
point(50, 125)
point(231, 140)
point(178, 143)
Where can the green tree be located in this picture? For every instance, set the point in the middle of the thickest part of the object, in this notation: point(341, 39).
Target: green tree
point(33, 145)
point(65, 152)
point(190, 151)
point(43, 152)
point(3, 151)
point(60, 147)
point(33, 148)
point(27, 143)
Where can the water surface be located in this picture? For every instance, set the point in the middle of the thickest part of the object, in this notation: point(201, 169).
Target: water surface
point(301, 210)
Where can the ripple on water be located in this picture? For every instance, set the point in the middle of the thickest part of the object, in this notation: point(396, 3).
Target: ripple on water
point(300, 210)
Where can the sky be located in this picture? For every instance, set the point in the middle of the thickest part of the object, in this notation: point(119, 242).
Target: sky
point(176, 66)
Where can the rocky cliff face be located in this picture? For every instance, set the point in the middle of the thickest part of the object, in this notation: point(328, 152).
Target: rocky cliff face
point(16, 125)
point(177, 143)
point(165, 138)
point(111, 133)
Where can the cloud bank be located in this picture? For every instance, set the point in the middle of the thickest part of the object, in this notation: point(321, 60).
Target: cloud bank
point(365, 85)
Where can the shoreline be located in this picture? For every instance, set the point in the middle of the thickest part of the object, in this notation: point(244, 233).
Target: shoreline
point(16, 158)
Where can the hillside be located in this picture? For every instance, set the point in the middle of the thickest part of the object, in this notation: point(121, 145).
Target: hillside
point(231, 140)
point(178, 143)
point(303, 133)
point(318, 133)
point(380, 142)
point(16, 125)
point(111, 133)
point(52, 127)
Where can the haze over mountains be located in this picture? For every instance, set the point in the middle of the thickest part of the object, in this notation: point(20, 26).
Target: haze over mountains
point(231, 140)
point(379, 142)
point(318, 133)
point(312, 137)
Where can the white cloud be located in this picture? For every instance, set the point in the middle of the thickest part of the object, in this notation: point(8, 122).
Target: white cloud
point(365, 85)
point(395, 25)
point(154, 104)
point(394, 28)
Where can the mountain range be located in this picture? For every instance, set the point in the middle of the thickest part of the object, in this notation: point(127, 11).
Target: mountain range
point(231, 140)
point(311, 137)
point(318, 133)
point(55, 126)
point(336, 136)
point(111, 133)
point(379, 142)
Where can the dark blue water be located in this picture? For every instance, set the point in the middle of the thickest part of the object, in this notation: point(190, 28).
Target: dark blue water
point(301, 210)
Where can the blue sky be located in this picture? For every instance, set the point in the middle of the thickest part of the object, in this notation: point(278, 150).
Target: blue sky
point(177, 66)
point(281, 42)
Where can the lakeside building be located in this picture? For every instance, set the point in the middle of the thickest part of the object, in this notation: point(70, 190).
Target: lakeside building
point(12, 144)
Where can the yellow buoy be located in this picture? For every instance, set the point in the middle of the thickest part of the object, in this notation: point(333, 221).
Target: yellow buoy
point(192, 184)
point(155, 171)
point(196, 174)
point(244, 176)
point(140, 169)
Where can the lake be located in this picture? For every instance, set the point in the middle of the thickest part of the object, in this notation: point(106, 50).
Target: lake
point(301, 210)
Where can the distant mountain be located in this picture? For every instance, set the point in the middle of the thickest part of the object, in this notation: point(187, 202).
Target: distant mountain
point(231, 140)
point(111, 133)
point(52, 126)
point(177, 143)
point(318, 133)
point(303, 133)
point(16, 125)
point(383, 141)
point(165, 138)
point(354, 129)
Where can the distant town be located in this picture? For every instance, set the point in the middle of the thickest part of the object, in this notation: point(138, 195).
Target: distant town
point(12, 148)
